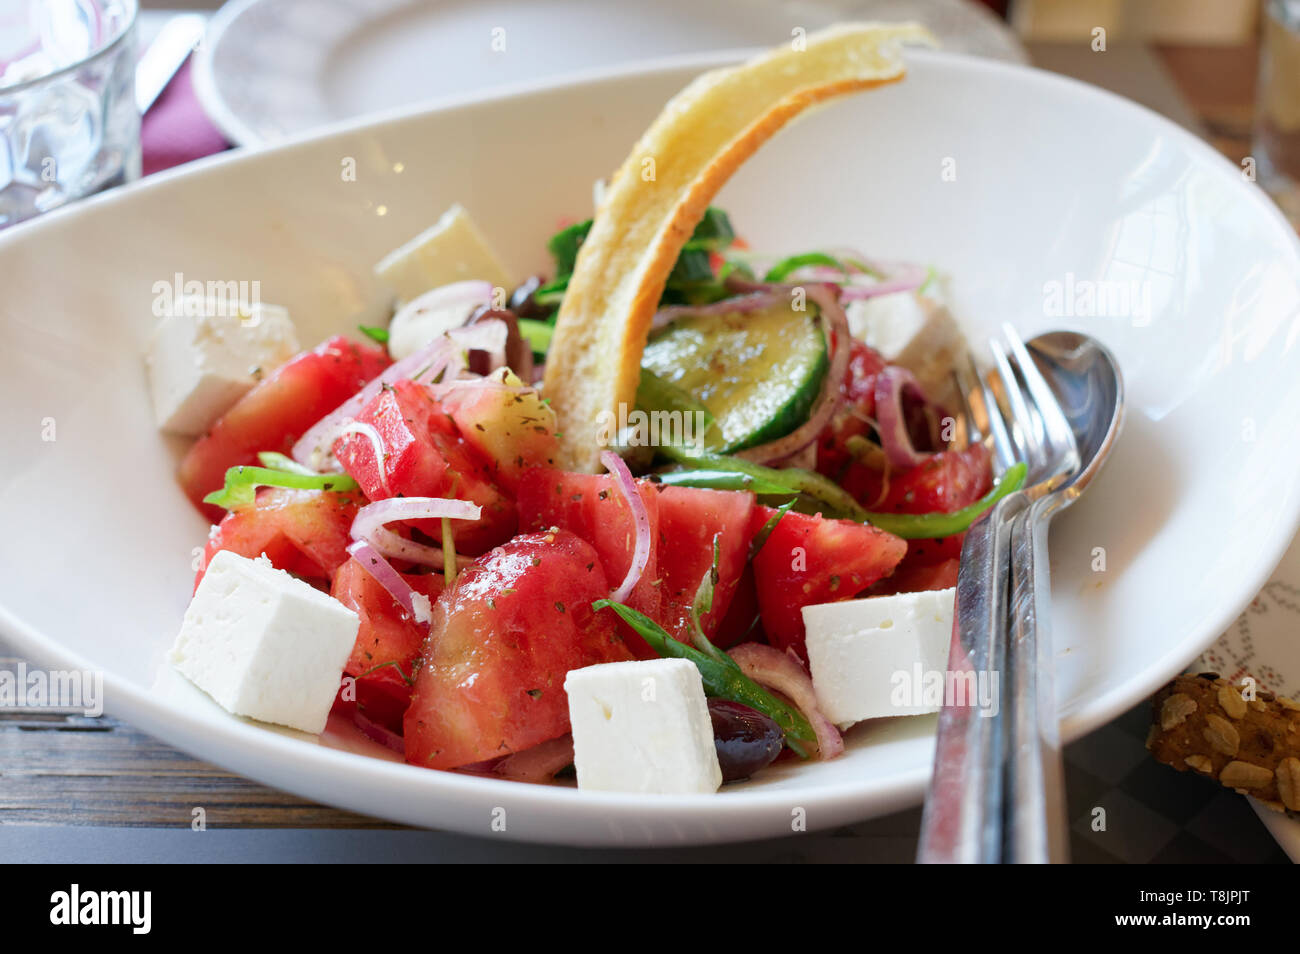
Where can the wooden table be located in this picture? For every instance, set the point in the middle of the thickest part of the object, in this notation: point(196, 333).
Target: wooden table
point(71, 770)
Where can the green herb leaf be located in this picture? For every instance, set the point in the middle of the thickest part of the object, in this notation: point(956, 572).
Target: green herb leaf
point(722, 677)
point(377, 335)
point(241, 485)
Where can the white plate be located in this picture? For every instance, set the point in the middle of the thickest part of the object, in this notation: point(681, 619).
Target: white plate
point(1262, 644)
point(271, 68)
point(1052, 179)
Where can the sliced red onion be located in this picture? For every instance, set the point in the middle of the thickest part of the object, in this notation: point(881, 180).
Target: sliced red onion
point(415, 604)
point(774, 669)
point(641, 554)
point(891, 420)
point(369, 525)
point(315, 448)
point(375, 732)
point(858, 291)
point(538, 764)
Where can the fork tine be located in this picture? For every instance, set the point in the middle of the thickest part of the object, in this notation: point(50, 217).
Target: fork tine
point(1020, 417)
point(1058, 433)
point(988, 416)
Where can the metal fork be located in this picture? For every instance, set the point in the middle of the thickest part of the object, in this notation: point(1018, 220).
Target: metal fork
point(986, 761)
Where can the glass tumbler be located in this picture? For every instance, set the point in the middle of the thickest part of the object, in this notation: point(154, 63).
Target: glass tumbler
point(69, 126)
point(1277, 119)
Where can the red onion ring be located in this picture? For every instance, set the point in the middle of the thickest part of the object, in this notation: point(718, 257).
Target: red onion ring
point(415, 604)
point(317, 446)
point(641, 554)
point(890, 419)
point(369, 526)
point(539, 763)
point(375, 732)
point(774, 669)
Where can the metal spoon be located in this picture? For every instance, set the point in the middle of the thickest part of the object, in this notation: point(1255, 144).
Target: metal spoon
point(1086, 383)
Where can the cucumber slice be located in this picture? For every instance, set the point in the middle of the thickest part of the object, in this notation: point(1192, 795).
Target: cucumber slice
point(757, 372)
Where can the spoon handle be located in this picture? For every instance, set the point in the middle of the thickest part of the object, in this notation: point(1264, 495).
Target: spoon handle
point(962, 820)
point(1035, 826)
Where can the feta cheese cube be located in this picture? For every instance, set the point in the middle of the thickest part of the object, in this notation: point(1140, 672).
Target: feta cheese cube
point(869, 658)
point(264, 644)
point(451, 250)
point(205, 355)
point(642, 727)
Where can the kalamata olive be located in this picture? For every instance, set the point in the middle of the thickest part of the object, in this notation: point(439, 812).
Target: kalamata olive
point(745, 739)
point(519, 354)
point(522, 302)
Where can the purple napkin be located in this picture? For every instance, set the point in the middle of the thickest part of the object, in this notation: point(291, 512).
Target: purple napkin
point(176, 129)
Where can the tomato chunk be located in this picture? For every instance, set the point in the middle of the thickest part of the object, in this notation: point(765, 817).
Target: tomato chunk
point(277, 412)
point(509, 425)
point(592, 507)
point(302, 531)
point(689, 519)
point(423, 455)
point(502, 639)
point(809, 560)
point(389, 641)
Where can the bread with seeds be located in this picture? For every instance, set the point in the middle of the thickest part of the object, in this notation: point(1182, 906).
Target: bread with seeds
point(1206, 724)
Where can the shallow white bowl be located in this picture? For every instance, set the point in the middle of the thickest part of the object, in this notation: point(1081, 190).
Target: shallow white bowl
point(1052, 179)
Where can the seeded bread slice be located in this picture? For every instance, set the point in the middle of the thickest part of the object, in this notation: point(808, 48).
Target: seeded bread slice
point(1204, 723)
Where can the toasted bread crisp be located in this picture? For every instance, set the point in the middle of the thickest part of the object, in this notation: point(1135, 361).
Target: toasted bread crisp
point(1204, 723)
point(661, 192)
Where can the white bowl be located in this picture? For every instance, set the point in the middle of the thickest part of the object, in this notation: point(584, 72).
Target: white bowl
point(1053, 179)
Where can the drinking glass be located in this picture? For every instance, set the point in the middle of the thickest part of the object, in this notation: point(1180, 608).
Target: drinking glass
point(1277, 120)
point(69, 126)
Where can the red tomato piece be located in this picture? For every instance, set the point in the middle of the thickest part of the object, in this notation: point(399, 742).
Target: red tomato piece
point(809, 560)
point(592, 506)
point(502, 639)
point(388, 643)
point(512, 430)
point(689, 519)
point(424, 456)
point(738, 626)
point(306, 532)
point(277, 412)
point(858, 410)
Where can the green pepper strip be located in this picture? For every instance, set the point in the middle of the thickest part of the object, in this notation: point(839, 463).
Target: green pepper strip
point(787, 265)
point(722, 677)
point(242, 482)
point(731, 473)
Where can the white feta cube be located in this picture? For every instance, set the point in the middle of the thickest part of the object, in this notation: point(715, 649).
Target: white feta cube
point(264, 644)
point(875, 657)
point(642, 727)
point(205, 355)
point(451, 250)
